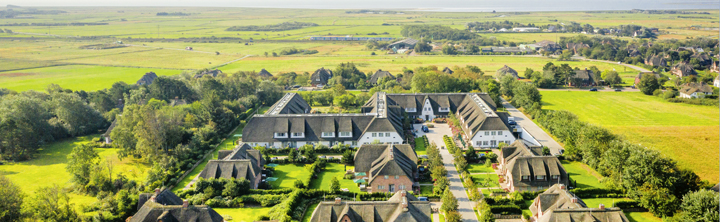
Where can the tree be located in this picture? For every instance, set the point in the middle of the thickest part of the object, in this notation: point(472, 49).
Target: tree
point(334, 185)
point(449, 50)
point(309, 153)
point(293, 155)
point(422, 46)
point(660, 201)
point(50, 204)
point(345, 101)
point(566, 55)
point(470, 155)
point(529, 73)
point(545, 151)
point(486, 214)
point(648, 84)
point(11, 201)
point(299, 184)
point(453, 216)
point(348, 157)
point(449, 203)
point(611, 77)
point(268, 92)
point(81, 162)
point(701, 205)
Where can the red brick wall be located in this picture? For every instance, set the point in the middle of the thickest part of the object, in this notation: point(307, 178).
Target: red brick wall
point(380, 180)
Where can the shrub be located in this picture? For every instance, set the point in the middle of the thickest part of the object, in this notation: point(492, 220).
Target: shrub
point(505, 209)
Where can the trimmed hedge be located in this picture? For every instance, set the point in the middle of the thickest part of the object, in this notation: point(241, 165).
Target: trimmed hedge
point(627, 204)
point(597, 193)
point(505, 209)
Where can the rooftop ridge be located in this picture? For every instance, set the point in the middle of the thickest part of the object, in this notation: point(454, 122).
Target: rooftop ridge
point(483, 105)
point(279, 105)
point(312, 115)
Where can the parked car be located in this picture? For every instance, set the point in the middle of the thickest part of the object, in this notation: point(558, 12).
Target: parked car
point(511, 121)
point(422, 198)
point(322, 157)
point(618, 90)
point(425, 129)
point(593, 90)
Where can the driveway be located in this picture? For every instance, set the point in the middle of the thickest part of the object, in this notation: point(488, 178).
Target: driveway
point(532, 128)
point(465, 206)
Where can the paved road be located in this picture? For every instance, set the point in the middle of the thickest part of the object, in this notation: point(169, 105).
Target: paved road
point(456, 187)
point(640, 69)
point(600, 89)
point(533, 128)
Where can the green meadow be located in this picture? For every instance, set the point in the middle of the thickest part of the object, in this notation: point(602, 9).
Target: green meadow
point(680, 131)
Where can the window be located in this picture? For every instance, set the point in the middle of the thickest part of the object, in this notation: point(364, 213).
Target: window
point(298, 135)
point(493, 143)
point(317, 80)
point(386, 176)
point(540, 177)
point(525, 177)
point(487, 133)
point(499, 132)
point(410, 110)
point(280, 135)
point(555, 177)
point(485, 143)
point(444, 109)
point(492, 133)
point(380, 187)
point(328, 134)
point(479, 143)
point(345, 134)
point(354, 143)
point(374, 134)
point(397, 177)
point(401, 187)
point(380, 134)
point(387, 134)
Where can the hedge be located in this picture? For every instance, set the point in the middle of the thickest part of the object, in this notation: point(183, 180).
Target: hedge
point(505, 209)
point(597, 193)
point(627, 204)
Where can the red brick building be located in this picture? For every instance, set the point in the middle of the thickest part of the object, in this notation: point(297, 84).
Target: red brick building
point(389, 167)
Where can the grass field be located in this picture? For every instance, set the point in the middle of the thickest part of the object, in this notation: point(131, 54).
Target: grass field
point(75, 77)
point(47, 168)
point(248, 214)
point(309, 212)
point(420, 146)
point(480, 168)
point(479, 180)
point(287, 174)
point(333, 170)
point(680, 131)
point(585, 176)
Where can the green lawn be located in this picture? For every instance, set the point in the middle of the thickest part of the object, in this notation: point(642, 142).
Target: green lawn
point(680, 131)
point(47, 167)
point(480, 180)
point(442, 217)
point(585, 176)
point(480, 168)
point(426, 190)
point(595, 202)
point(287, 174)
point(227, 144)
point(309, 212)
point(420, 147)
point(75, 77)
point(333, 170)
point(641, 217)
point(248, 214)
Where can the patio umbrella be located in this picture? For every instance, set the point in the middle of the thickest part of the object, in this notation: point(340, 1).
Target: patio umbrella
point(272, 165)
point(360, 174)
point(359, 181)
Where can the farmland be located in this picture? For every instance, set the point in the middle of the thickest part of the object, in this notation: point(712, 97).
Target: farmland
point(680, 131)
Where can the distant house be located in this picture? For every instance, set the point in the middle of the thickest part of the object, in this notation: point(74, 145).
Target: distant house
point(389, 167)
point(557, 204)
point(447, 70)
point(552, 28)
point(178, 102)
point(695, 90)
point(576, 47)
point(509, 50)
point(702, 58)
point(407, 43)
point(656, 60)
point(166, 206)
point(716, 82)
point(147, 79)
point(379, 75)
point(683, 69)
point(265, 74)
point(506, 70)
point(241, 162)
point(524, 170)
point(320, 77)
point(640, 75)
point(526, 29)
point(545, 45)
point(106, 135)
point(401, 207)
point(213, 73)
point(586, 77)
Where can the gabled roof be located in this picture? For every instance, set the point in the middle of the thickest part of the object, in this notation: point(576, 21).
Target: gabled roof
point(555, 198)
point(478, 114)
point(380, 74)
point(518, 149)
point(447, 70)
point(683, 69)
point(291, 103)
point(110, 129)
point(585, 75)
point(147, 79)
point(321, 76)
point(262, 127)
point(214, 73)
point(367, 154)
point(241, 162)
point(506, 70)
point(408, 41)
point(396, 209)
point(610, 214)
point(690, 88)
point(531, 167)
point(264, 73)
point(168, 207)
point(393, 162)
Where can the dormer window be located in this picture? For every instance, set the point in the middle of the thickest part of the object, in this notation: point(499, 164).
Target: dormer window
point(345, 134)
point(555, 177)
point(328, 134)
point(525, 177)
point(444, 109)
point(411, 110)
point(540, 178)
point(298, 135)
point(280, 135)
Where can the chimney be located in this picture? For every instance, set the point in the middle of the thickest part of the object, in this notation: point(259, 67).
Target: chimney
point(403, 193)
point(338, 200)
point(562, 186)
point(602, 207)
point(574, 199)
point(185, 203)
point(152, 199)
point(157, 191)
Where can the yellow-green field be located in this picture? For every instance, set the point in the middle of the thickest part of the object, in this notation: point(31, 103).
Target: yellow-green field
point(686, 133)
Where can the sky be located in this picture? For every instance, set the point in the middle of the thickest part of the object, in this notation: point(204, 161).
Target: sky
point(432, 5)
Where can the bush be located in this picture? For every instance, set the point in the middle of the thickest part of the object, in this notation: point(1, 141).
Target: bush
point(505, 209)
point(430, 125)
point(597, 193)
point(349, 176)
point(627, 204)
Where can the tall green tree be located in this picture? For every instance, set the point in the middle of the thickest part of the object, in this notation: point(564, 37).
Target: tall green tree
point(648, 84)
point(50, 204)
point(701, 205)
point(449, 203)
point(335, 185)
point(11, 201)
point(81, 162)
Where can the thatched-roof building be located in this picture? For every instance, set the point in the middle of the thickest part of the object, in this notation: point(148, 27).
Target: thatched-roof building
point(241, 162)
point(683, 69)
point(557, 204)
point(380, 74)
point(447, 70)
point(320, 77)
point(147, 79)
point(401, 207)
point(213, 73)
point(506, 70)
point(525, 170)
point(166, 206)
point(388, 167)
point(265, 74)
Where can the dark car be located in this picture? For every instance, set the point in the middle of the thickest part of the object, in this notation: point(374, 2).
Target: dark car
point(618, 90)
point(422, 198)
point(425, 129)
point(593, 90)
